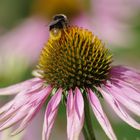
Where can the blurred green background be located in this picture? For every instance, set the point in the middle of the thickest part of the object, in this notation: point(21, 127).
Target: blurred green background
point(117, 23)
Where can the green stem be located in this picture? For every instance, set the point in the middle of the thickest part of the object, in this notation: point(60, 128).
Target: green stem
point(85, 132)
point(88, 131)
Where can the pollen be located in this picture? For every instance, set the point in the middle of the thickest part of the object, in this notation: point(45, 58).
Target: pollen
point(55, 34)
point(77, 58)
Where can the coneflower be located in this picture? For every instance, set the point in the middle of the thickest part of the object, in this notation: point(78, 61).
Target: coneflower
point(75, 66)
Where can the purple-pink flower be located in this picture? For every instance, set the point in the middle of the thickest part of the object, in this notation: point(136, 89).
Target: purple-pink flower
point(73, 64)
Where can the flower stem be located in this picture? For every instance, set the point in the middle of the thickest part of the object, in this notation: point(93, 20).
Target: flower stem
point(88, 131)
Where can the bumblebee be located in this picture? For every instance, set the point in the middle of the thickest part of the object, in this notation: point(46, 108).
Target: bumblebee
point(59, 22)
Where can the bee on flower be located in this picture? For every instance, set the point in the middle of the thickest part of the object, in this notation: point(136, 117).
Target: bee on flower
point(76, 65)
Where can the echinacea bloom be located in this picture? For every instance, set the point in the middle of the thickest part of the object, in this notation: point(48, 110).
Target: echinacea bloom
point(73, 64)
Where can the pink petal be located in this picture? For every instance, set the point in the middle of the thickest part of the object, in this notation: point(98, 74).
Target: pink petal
point(75, 114)
point(126, 74)
point(70, 101)
point(100, 115)
point(8, 114)
point(50, 114)
point(6, 107)
point(25, 104)
point(22, 99)
point(118, 93)
point(24, 122)
point(119, 110)
point(15, 118)
point(40, 96)
point(129, 90)
point(34, 108)
point(14, 89)
point(70, 113)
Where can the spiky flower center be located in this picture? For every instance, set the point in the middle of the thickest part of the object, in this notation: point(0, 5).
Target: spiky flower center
point(76, 58)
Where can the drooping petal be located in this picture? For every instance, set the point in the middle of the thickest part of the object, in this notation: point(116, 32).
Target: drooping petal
point(50, 114)
point(24, 106)
point(8, 114)
point(129, 90)
point(24, 122)
point(70, 110)
point(119, 110)
point(79, 104)
point(6, 107)
point(120, 94)
point(75, 114)
point(21, 99)
point(35, 106)
point(100, 115)
point(14, 89)
point(20, 114)
point(126, 74)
